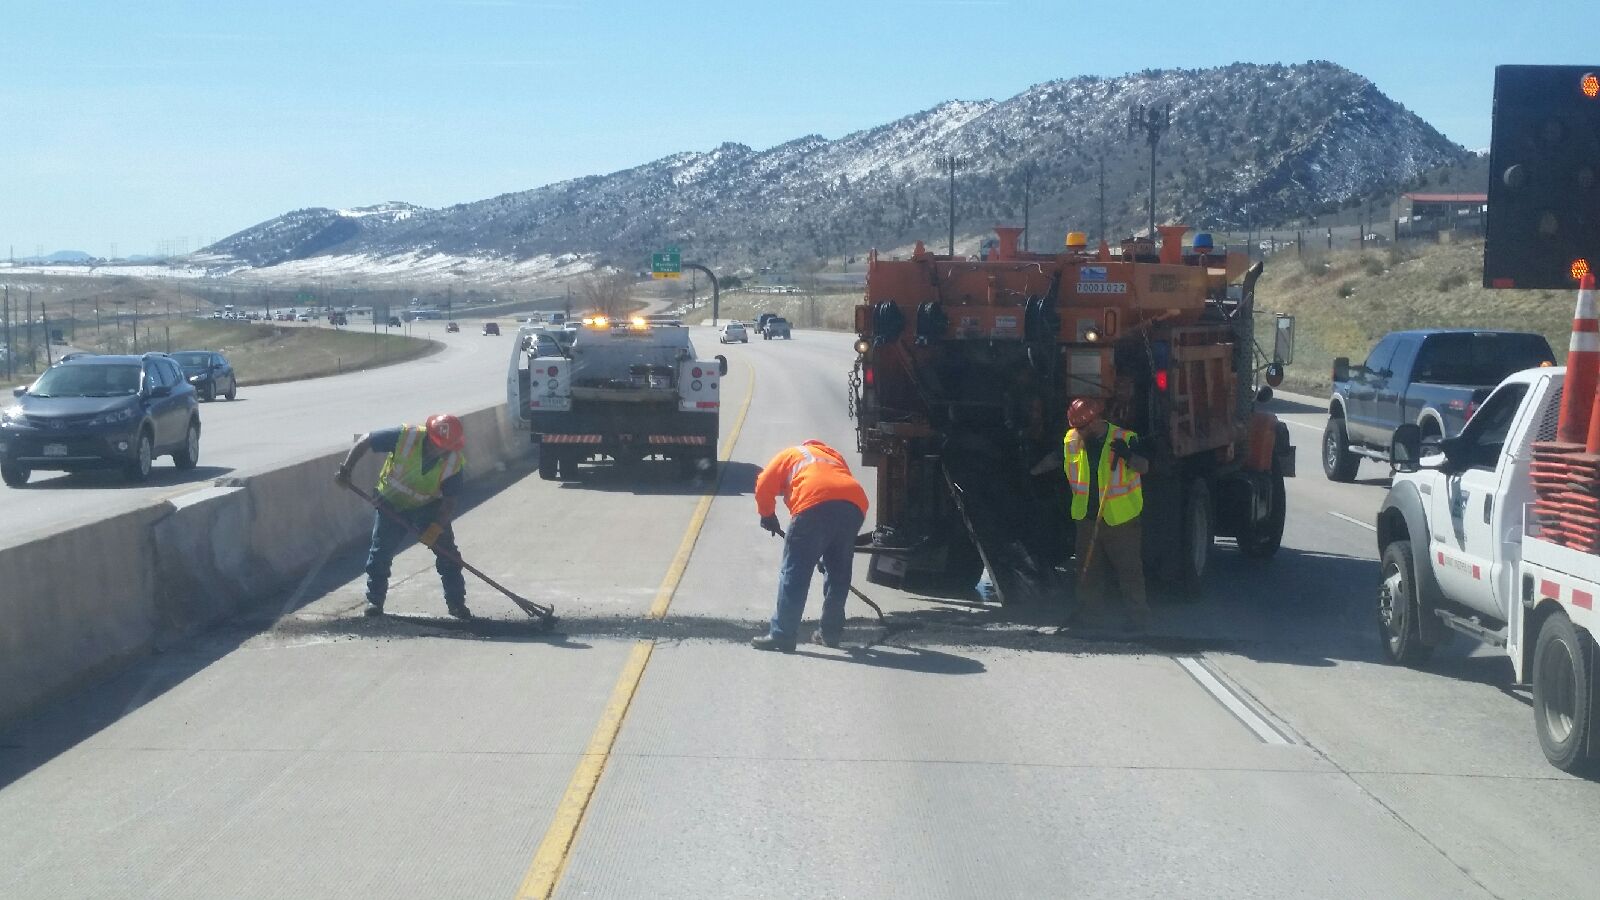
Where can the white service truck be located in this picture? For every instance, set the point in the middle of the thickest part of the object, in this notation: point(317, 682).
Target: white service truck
point(1461, 551)
point(623, 390)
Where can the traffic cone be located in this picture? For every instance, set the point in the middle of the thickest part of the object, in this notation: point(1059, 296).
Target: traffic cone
point(1583, 370)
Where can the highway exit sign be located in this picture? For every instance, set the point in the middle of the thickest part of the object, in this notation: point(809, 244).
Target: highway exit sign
point(666, 264)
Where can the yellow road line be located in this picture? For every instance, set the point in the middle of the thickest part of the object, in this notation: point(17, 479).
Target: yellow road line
point(551, 858)
point(680, 561)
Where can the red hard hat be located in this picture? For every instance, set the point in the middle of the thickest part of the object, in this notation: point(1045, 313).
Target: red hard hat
point(446, 433)
point(1083, 411)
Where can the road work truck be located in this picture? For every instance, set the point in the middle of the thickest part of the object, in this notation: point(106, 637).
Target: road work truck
point(1493, 533)
point(965, 371)
point(624, 390)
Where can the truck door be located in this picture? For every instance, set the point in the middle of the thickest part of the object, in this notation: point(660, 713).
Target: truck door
point(1392, 405)
point(1466, 522)
point(1362, 399)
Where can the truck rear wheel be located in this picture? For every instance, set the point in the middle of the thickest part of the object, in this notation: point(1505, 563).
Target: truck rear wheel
point(1563, 667)
point(1338, 463)
point(1197, 534)
point(548, 463)
point(1397, 607)
point(1261, 540)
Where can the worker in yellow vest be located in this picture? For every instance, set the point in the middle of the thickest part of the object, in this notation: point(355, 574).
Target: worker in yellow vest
point(1103, 469)
point(421, 480)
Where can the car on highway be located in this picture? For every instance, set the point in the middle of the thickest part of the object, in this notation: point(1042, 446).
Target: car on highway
point(338, 319)
point(210, 373)
point(452, 328)
point(776, 327)
point(68, 357)
point(303, 317)
point(734, 332)
point(491, 329)
point(100, 412)
point(394, 322)
point(763, 319)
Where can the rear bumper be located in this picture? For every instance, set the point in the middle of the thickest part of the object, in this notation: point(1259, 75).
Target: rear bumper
point(612, 433)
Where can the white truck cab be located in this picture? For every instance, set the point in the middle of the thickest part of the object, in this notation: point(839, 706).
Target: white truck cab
point(1461, 550)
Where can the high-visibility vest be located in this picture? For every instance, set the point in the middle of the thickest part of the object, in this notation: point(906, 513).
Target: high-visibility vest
point(1121, 495)
point(406, 482)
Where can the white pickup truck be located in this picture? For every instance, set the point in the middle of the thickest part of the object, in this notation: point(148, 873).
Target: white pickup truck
point(1461, 551)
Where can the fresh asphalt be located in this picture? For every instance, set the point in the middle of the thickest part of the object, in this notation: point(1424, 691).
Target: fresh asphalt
point(1255, 745)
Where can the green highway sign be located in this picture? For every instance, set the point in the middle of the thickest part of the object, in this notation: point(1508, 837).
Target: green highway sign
point(666, 264)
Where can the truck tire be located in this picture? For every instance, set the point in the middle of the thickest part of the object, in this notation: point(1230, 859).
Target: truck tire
point(1262, 539)
point(1197, 534)
point(1338, 463)
point(548, 464)
point(1398, 610)
point(1563, 694)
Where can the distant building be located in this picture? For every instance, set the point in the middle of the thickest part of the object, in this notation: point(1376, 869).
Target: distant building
point(1443, 208)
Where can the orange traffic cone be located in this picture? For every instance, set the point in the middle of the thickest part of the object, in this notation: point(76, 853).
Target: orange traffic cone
point(1583, 370)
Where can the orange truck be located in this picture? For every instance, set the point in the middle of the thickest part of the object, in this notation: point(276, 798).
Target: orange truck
point(964, 373)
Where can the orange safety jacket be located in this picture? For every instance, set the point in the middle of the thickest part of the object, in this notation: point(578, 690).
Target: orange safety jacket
point(806, 475)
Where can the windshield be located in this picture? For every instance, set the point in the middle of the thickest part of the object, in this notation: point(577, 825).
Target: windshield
point(1478, 358)
point(88, 381)
point(192, 360)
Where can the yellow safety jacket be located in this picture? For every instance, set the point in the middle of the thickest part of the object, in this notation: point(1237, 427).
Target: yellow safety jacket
point(405, 482)
point(1121, 496)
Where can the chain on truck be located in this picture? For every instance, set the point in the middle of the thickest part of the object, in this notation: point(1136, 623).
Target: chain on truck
point(965, 371)
point(623, 390)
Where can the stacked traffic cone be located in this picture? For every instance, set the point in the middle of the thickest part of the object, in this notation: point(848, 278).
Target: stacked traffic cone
point(1566, 471)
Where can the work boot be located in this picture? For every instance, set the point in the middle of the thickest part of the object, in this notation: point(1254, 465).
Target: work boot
point(826, 640)
point(769, 642)
point(458, 608)
point(374, 608)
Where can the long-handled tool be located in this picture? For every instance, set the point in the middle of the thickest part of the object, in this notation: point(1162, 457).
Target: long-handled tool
point(889, 629)
point(545, 614)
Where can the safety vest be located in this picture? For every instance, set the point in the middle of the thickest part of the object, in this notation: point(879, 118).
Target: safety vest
point(405, 483)
point(1121, 496)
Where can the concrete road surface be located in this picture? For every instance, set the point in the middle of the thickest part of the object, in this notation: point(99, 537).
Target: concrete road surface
point(1253, 746)
point(274, 424)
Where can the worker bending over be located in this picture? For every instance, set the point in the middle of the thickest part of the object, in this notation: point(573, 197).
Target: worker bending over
point(826, 507)
point(421, 480)
point(1103, 469)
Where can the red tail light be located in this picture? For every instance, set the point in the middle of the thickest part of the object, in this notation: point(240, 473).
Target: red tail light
point(1161, 380)
point(695, 372)
point(867, 376)
point(552, 371)
point(1471, 408)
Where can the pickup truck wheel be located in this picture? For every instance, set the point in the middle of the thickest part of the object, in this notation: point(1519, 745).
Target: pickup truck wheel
point(1197, 534)
point(1262, 539)
point(1338, 463)
point(1563, 663)
point(1397, 607)
point(547, 464)
point(14, 476)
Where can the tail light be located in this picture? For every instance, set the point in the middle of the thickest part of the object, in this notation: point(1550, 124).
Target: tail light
point(552, 371)
point(1472, 407)
point(867, 376)
point(695, 372)
point(1162, 380)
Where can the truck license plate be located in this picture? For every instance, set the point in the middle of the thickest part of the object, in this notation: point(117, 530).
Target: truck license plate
point(55, 449)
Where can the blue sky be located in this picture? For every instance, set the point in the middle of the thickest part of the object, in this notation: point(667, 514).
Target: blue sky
point(138, 123)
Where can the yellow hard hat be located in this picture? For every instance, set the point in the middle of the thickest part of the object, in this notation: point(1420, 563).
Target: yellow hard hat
point(1077, 240)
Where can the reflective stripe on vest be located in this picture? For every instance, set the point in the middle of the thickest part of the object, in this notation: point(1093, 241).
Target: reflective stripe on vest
point(406, 482)
point(1121, 491)
point(807, 458)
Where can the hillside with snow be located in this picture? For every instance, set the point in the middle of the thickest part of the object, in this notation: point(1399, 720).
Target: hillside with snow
point(1247, 144)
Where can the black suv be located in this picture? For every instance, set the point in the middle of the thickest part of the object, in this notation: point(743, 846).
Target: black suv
point(209, 372)
point(101, 412)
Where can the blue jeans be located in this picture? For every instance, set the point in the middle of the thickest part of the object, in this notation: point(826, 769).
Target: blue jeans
point(825, 532)
point(386, 537)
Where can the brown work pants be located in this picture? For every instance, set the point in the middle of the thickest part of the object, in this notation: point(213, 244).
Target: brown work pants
point(1118, 548)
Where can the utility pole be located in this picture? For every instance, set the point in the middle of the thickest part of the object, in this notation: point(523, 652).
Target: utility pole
point(950, 161)
point(1154, 122)
point(10, 357)
point(1027, 196)
point(1103, 198)
point(33, 349)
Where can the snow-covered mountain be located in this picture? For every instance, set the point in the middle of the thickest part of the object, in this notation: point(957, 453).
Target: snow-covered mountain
point(1248, 143)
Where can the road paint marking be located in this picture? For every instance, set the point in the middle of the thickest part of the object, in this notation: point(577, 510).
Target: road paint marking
point(680, 560)
point(1231, 701)
point(550, 860)
point(1353, 521)
point(1317, 428)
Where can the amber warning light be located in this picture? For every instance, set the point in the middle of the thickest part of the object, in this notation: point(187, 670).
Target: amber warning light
point(1580, 268)
point(1590, 85)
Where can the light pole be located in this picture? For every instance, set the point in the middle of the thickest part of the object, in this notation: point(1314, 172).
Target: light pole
point(951, 161)
point(1027, 197)
point(1154, 122)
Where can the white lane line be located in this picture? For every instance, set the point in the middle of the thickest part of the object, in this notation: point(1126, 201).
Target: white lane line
point(1231, 701)
point(1353, 520)
point(1316, 428)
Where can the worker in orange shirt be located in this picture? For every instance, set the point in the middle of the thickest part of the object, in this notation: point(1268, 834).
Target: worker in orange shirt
point(827, 507)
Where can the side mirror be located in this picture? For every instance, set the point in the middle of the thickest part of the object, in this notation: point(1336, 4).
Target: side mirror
point(1341, 368)
point(1283, 341)
point(19, 390)
point(722, 364)
point(1274, 374)
point(1263, 394)
point(1405, 448)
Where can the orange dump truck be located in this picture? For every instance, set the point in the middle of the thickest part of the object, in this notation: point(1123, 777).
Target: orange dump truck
point(965, 371)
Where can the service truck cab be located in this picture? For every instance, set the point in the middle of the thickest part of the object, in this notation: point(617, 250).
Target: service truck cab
point(1462, 550)
point(626, 391)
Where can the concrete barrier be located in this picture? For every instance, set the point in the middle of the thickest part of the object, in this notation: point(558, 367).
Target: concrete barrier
point(79, 602)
